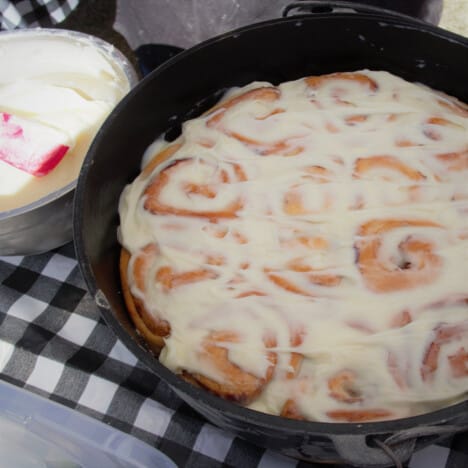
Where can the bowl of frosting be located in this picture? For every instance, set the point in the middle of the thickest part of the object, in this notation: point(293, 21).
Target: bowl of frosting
point(56, 89)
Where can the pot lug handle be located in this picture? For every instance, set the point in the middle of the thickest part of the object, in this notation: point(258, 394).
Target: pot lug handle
point(425, 431)
point(355, 450)
point(394, 450)
point(316, 7)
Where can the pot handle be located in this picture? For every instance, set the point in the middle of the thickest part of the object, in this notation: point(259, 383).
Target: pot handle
point(425, 431)
point(355, 450)
point(313, 7)
point(394, 450)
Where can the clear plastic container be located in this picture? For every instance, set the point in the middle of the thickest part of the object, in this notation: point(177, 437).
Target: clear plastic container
point(39, 433)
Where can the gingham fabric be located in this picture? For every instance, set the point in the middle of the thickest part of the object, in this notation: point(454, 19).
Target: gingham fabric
point(54, 343)
point(34, 13)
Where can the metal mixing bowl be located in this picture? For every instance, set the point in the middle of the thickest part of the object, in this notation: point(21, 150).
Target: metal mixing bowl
point(46, 223)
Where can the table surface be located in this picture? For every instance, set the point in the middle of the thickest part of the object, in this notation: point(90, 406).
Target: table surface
point(53, 342)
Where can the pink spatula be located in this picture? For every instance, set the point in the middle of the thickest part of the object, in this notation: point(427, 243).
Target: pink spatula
point(29, 145)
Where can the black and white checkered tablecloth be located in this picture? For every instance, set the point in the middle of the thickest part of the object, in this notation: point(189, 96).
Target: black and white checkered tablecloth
point(31, 13)
point(54, 343)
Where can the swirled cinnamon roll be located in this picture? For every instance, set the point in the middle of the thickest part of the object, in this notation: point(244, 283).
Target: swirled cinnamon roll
point(301, 248)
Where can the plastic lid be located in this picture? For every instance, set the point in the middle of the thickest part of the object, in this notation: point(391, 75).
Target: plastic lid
point(39, 433)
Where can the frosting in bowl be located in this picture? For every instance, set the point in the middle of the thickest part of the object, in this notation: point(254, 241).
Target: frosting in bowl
point(65, 81)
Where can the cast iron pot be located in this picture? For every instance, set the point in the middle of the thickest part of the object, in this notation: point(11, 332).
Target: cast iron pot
point(341, 37)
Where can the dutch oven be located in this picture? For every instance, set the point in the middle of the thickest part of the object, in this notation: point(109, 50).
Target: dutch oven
point(336, 37)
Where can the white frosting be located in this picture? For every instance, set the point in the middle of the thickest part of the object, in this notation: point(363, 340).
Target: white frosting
point(65, 82)
point(298, 236)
